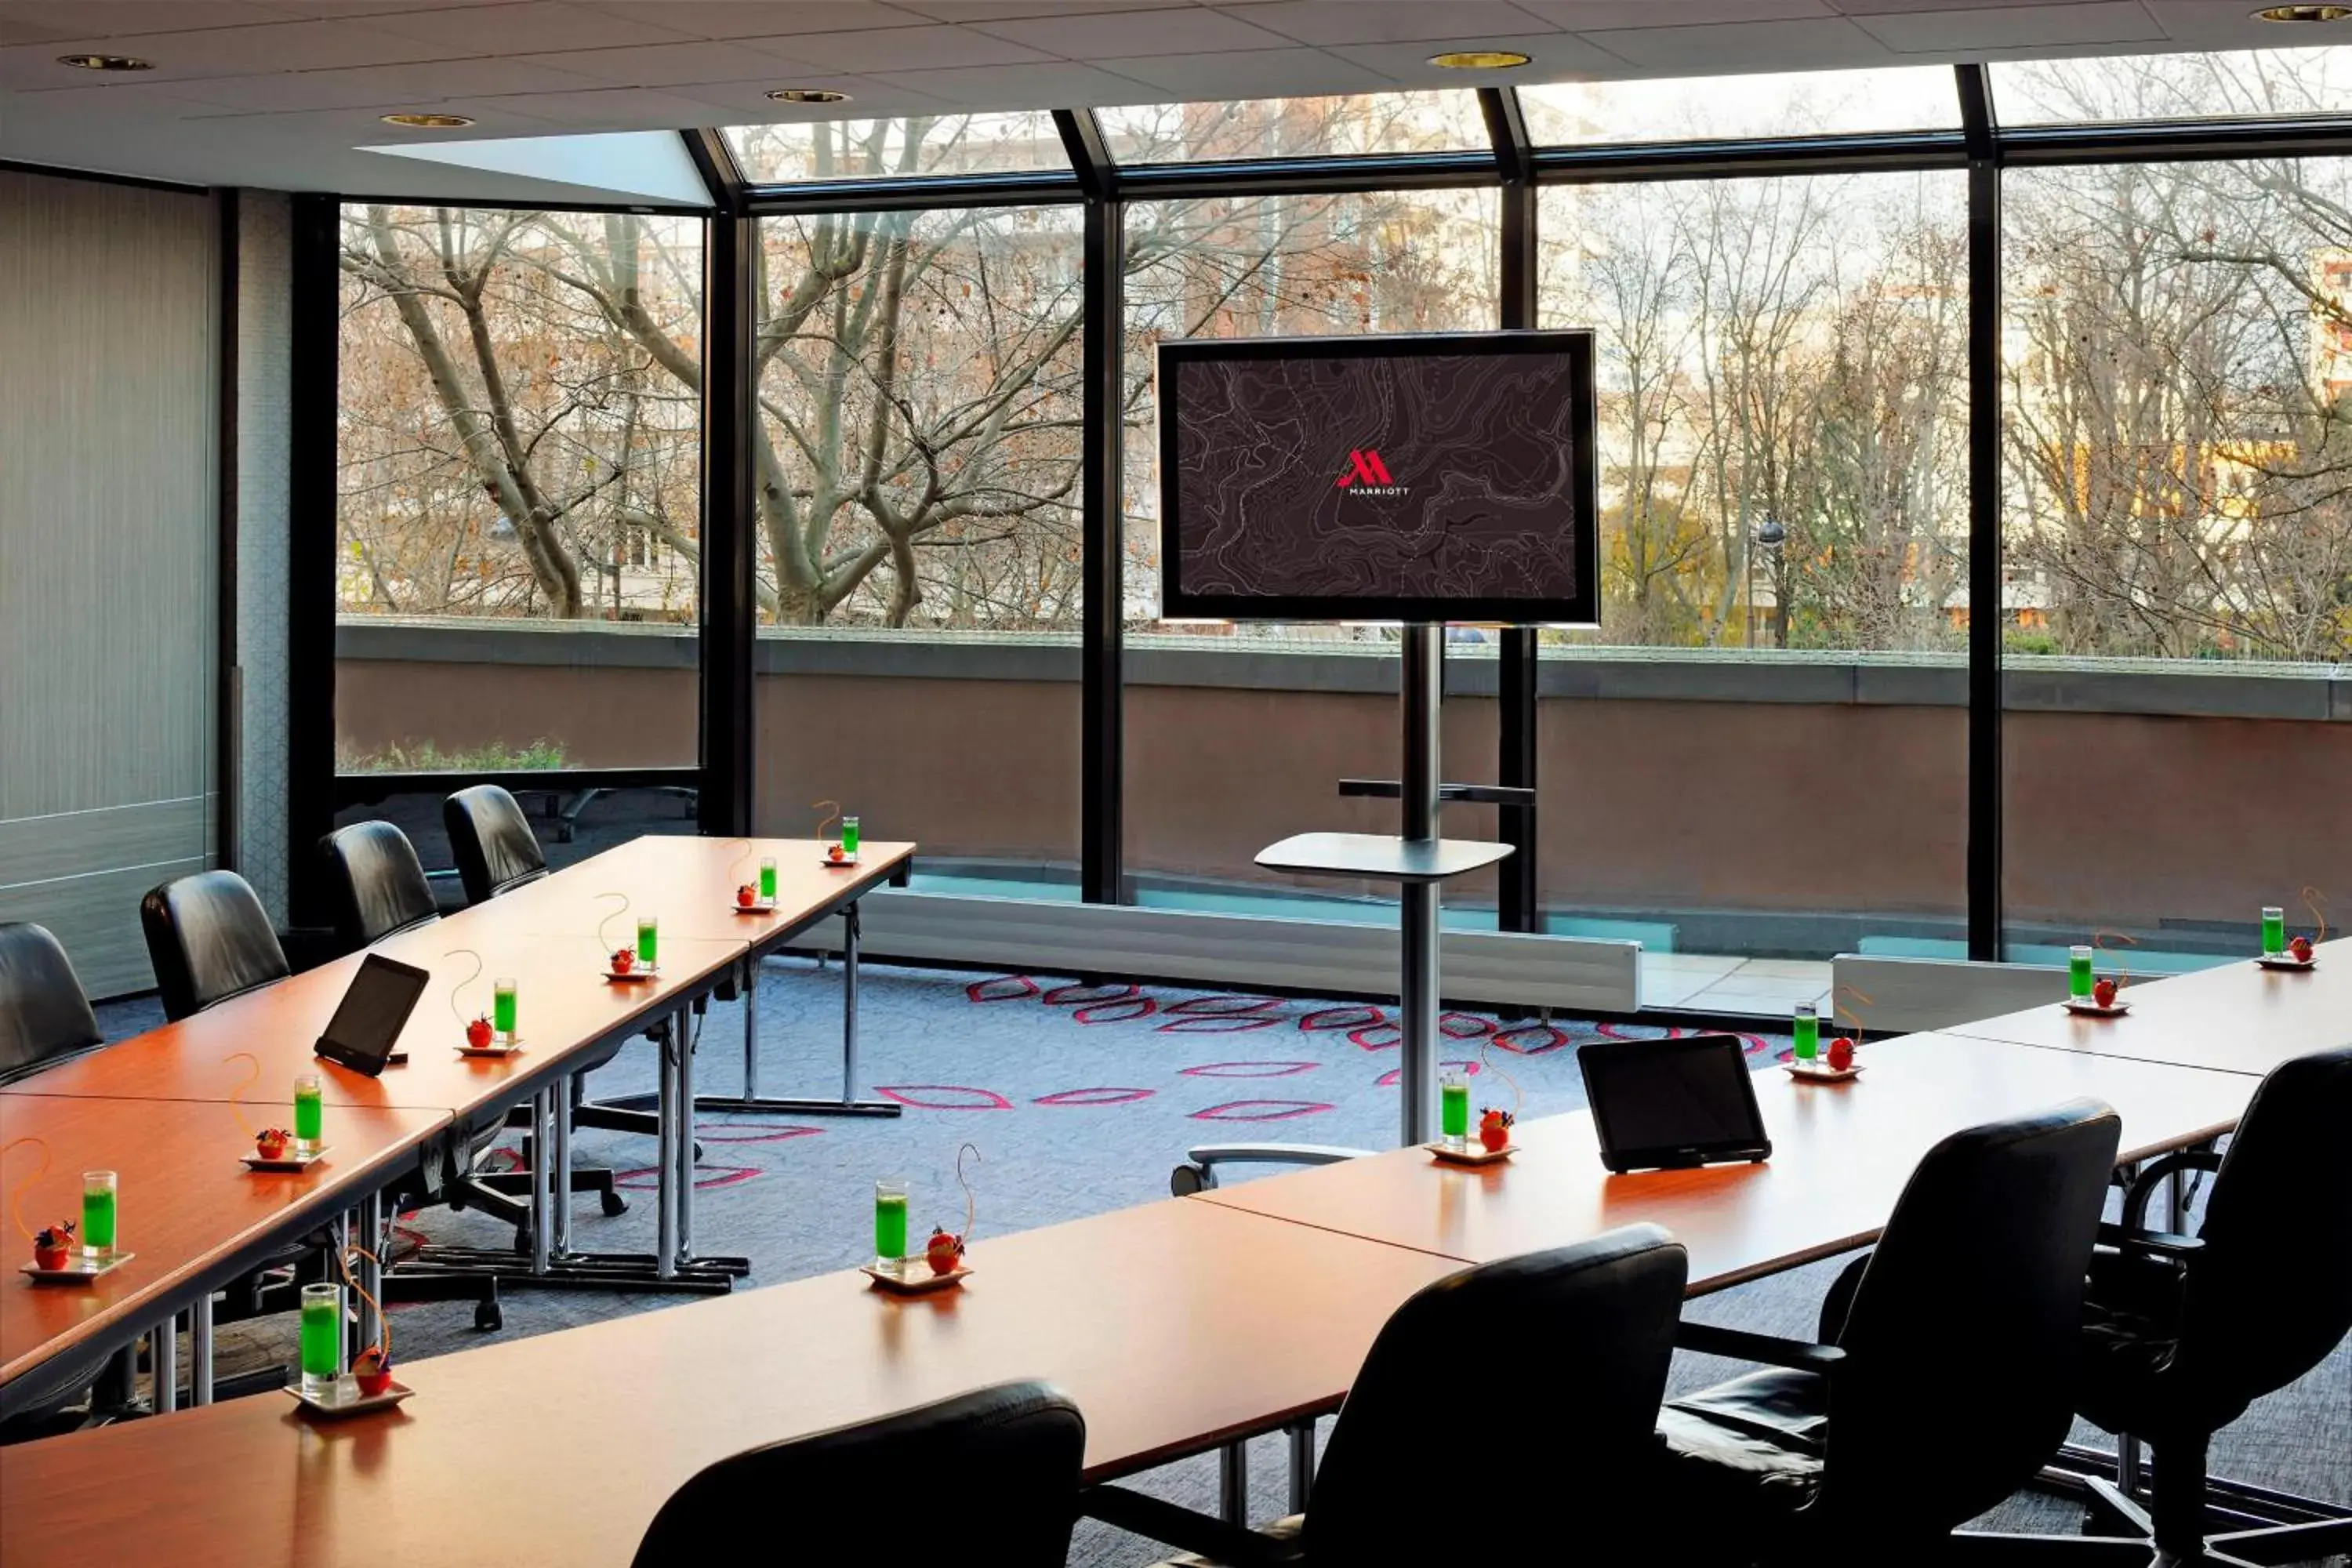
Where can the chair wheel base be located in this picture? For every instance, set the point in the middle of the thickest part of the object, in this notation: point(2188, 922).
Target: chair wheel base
point(1186, 1180)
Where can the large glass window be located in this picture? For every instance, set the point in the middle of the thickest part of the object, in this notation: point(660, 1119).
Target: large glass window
point(1766, 756)
point(520, 490)
point(1808, 104)
point(1294, 127)
point(2242, 82)
point(2176, 545)
point(1237, 736)
point(1022, 141)
point(919, 576)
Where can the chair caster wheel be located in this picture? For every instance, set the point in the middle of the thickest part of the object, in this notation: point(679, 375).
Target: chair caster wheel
point(522, 1239)
point(614, 1203)
point(488, 1317)
point(1186, 1180)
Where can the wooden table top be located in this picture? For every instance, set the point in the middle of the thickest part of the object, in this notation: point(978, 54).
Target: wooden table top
point(2239, 1017)
point(187, 1205)
point(1841, 1153)
point(562, 1005)
point(1172, 1325)
point(689, 884)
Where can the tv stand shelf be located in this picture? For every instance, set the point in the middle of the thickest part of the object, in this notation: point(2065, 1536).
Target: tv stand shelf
point(1379, 856)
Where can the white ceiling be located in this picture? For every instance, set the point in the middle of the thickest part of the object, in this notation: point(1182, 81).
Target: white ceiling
point(280, 93)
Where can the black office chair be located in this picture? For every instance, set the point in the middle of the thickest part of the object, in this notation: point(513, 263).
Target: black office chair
point(1945, 1376)
point(1546, 1368)
point(209, 938)
point(45, 1017)
point(496, 853)
point(376, 884)
point(2181, 1335)
point(1000, 1464)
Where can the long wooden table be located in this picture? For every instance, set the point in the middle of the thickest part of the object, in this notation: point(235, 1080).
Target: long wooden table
point(1176, 1327)
point(2237, 1018)
point(1841, 1153)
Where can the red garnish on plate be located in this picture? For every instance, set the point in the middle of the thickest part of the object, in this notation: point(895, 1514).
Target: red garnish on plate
point(371, 1370)
point(478, 1034)
point(746, 895)
point(836, 854)
point(53, 1245)
point(271, 1143)
point(2103, 992)
point(2300, 949)
point(1841, 1053)
point(624, 959)
point(943, 1251)
point(1495, 1129)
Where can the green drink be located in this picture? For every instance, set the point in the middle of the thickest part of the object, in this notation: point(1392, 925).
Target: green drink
point(1453, 1107)
point(310, 1114)
point(2078, 971)
point(322, 1339)
point(1807, 1026)
point(849, 836)
point(502, 1007)
point(768, 881)
point(98, 1196)
point(648, 940)
point(2273, 931)
point(890, 1224)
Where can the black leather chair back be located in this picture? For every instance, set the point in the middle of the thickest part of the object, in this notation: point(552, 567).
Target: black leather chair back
point(1548, 1367)
point(998, 1465)
point(376, 883)
point(2270, 1294)
point(43, 1011)
point(491, 841)
point(1965, 1319)
point(210, 940)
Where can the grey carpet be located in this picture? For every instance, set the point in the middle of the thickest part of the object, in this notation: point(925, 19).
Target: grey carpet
point(1079, 1101)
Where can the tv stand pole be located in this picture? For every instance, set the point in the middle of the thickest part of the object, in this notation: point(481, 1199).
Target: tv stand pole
point(1417, 859)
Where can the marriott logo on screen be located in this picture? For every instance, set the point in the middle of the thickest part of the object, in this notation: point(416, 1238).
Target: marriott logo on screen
point(1367, 475)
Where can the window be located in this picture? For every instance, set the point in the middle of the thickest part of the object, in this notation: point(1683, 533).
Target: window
point(1446, 122)
point(520, 415)
point(1020, 143)
point(2242, 82)
point(1237, 736)
point(2176, 544)
point(1705, 109)
point(1775, 698)
point(917, 490)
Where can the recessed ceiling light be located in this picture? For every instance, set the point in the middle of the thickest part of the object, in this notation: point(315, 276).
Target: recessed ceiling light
point(2303, 13)
point(807, 95)
point(106, 62)
point(428, 122)
point(1479, 59)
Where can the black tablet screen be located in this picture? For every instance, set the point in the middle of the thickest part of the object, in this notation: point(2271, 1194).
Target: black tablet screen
point(1658, 1097)
point(374, 1009)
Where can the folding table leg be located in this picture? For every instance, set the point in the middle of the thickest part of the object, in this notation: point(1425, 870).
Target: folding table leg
point(1302, 1464)
point(200, 1350)
point(1232, 1484)
point(164, 1360)
point(848, 1104)
point(685, 1140)
point(560, 1182)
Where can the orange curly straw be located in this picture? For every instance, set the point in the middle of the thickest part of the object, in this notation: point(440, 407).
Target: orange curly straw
point(735, 866)
point(237, 1095)
point(1853, 1013)
point(1487, 1061)
point(2312, 901)
point(459, 989)
point(602, 940)
point(971, 1202)
point(383, 1319)
point(17, 1199)
point(826, 822)
point(2123, 971)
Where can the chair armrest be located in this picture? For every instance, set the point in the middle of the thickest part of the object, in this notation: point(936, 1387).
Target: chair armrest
point(2157, 1243)
point(1797, 1355)
point(1181, 1527)
point(2144, 1185)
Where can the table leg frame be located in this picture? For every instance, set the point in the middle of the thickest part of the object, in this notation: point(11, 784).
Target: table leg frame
point(751, 1099)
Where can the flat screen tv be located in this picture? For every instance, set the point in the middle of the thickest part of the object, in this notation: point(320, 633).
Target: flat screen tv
point(1441, 477)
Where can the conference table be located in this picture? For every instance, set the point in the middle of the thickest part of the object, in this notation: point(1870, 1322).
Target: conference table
point(176, 1102)
point(1178, 1326)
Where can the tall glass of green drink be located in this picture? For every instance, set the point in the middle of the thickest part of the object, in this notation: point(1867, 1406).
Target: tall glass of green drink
point(310, 1114)
point(502, 1008)
point(648, 940)
point(98, 1196)
point(1454, 1108)
point(2274, 930)
point(890, 1224)
point(1806, 1025)
point(2078, 971)
point(849, 836)
point(768, 880)
point(322, 1339)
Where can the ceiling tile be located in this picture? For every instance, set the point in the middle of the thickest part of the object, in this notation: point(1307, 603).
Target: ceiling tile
point(1551, 54)
point(2012, 26)
point(15, 32)
point(279, 91)
point(1801, 44)
point(2227, 22)
point(1004, 10)
point(1294, 72)
point(156, 103)
point(522, 28)
point(1353, 22)
point(908, 48)
point(115, 18)
point(748, 103)
point(1187, 30)
point(1056, 86)
point(1582, 15)
point(756, 18)
point(678, 65)
point(279, 47)
point(349, 127)
point(362, 7)
point(611, 109)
